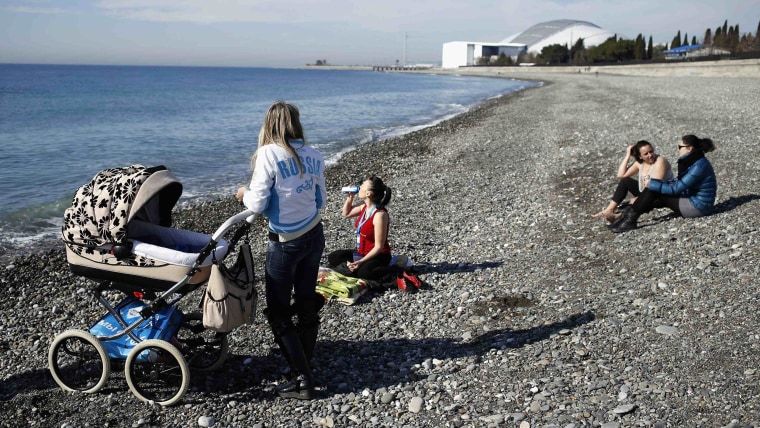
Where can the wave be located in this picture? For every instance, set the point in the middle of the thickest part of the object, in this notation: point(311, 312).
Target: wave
point(205, 140)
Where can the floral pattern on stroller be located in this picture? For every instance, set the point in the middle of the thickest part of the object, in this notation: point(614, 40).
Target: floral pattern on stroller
point(118, 233)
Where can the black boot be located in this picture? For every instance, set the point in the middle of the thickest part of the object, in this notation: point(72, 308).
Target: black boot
point(307, 310)
point(301, 386)
point(272, 325)
point(626, 222)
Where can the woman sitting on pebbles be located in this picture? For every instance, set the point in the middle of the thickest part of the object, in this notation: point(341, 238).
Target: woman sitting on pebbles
point(370, 259)
point(691, 194)
point(648, 165)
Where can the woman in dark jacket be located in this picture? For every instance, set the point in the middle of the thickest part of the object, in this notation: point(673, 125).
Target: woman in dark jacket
point(692, 194)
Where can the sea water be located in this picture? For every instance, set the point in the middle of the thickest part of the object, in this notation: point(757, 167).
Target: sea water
point(61, 124)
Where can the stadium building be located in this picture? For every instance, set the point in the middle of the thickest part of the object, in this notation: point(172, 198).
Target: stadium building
point(533, 40)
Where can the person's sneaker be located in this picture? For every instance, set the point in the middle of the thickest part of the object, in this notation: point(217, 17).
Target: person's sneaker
point(401, 282)
point(412, 278)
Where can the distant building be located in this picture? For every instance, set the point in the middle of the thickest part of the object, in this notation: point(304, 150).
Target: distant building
point(680, 52)
point(533, 40)
point(457, 54)
point(692, 51)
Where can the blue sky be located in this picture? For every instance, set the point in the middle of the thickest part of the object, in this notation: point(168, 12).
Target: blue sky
point(285, 33)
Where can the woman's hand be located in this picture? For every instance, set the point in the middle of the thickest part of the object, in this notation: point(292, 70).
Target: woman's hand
point(240, 193)
point(623, 170)
point(608, 215)
point(353, 266)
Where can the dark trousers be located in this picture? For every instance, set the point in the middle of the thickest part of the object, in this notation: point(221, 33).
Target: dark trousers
point(373, 269)
point(649, 200)
point(292, 268)
point(624, 187)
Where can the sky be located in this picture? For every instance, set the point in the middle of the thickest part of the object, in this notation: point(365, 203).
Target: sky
point(291, 33)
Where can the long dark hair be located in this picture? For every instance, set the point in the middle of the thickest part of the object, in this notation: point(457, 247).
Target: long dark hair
point(699, 146)
point(636, 150)
point(381, 194)
point(704, 145)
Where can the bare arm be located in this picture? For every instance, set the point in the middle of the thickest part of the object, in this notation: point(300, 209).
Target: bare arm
point(380, 221)
point(660, 168)
point(349, 210)
point(624, 171)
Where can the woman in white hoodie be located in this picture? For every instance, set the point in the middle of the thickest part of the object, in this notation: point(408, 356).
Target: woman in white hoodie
point(288, 187)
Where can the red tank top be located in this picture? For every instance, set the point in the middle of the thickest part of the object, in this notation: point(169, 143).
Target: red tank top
point(365, 231)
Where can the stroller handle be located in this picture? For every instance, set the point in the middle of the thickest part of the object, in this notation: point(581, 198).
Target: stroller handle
point(247, 215)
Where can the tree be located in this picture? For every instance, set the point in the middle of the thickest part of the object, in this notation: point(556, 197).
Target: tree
point(685, 39)
point(694, 40)
point(612, 50)
point(657, 51)
point(639, 48)
point(650, 49)
point(555, 54)
point(578, 52)
point(528, 57)
point(624, 50)
point(757, 33)
point(735, 38)
point(676, 43)
point(708, 37)
point(503, 59)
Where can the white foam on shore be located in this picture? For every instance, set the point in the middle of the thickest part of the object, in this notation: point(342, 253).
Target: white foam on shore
point(48, 229)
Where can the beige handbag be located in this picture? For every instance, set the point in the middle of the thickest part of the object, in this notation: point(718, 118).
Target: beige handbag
point(230, 298)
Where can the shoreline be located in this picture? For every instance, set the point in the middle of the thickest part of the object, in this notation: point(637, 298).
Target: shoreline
point(718, 68)
point(53, 242)
point(535, 313)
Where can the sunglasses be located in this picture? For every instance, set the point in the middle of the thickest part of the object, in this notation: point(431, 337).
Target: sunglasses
point(681, 147)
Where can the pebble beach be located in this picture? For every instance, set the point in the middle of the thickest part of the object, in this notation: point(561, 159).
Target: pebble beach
point(533, 315)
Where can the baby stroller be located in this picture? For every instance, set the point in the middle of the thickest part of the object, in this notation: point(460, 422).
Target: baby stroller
point(117, 233)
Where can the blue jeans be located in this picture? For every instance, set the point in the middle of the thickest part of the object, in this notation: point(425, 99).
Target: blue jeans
point(292, 268)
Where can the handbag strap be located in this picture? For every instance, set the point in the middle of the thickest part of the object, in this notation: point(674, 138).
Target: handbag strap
point(239, 234)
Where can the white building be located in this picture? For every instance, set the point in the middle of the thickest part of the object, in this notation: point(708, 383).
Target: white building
point(533, 40)
point(457, 54)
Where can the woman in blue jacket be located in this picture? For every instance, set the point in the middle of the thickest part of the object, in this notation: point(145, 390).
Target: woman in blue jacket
point(691, 194)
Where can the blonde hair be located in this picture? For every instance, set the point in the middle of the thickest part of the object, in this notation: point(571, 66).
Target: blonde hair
point(282, 123)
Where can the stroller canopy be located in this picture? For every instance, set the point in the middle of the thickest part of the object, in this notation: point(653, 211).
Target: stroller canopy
point(101, 209)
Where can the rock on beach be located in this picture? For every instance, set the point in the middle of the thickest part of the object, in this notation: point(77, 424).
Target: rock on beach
point(534, 315)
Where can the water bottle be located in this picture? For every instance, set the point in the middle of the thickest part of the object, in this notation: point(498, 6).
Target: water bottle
point(350, 189)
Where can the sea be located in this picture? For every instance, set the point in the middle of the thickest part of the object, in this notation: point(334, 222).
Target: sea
point(62, 124)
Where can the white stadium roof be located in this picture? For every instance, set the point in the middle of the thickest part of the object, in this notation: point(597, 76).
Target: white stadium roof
point(562, 32)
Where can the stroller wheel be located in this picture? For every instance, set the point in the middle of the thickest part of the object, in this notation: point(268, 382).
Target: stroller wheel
point(156, 371)
point(78, 361)
point(203, 349)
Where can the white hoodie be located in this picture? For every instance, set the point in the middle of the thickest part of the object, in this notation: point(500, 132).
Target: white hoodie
point(289, 199)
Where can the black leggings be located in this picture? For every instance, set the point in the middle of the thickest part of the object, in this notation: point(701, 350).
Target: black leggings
point(373, 269)
point(649, 200)
point(624, 187)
